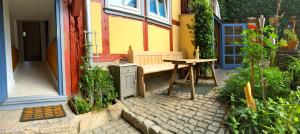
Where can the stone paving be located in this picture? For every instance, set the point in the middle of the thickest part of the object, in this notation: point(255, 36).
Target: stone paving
point(116, 127)
point(178, 114)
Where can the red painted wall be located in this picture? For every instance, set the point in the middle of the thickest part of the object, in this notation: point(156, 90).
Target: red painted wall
point(74, 42)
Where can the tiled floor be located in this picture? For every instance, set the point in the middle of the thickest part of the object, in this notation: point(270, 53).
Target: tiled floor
point(32, 79)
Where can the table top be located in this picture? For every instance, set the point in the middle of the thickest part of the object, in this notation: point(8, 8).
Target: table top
point(189, 61)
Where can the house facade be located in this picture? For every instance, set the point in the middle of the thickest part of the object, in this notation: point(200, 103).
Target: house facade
point(145, 25)
point(42, 42)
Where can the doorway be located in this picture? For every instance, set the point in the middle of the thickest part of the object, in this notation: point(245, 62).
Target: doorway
point(31, 61)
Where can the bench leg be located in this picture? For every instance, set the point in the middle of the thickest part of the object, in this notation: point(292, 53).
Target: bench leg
point(213, 73)
point(173, 77)
point(141, 83)
point(192, 86)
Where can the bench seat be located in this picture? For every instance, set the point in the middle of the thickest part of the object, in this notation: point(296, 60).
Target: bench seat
point(151, 62)
point(149, 69)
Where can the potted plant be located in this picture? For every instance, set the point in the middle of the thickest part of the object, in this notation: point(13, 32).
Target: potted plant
point(283, 43)
point(292, 39)
point(79, 105)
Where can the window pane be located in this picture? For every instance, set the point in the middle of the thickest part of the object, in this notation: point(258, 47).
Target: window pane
point(238, 30)
point(238, 49)
point(116, 2)
point(229, 60)
point(229, 50)
point(131, 3)
point(238, 39)
point(238, 59)
point(162, 8)
point(153, 6)
point(229, 40)
point(228, 30)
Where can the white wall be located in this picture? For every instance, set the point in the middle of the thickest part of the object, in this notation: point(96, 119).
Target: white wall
point(9, 68)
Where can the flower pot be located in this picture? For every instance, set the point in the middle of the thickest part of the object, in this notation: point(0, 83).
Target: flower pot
point(73, 106)
point(292, 45)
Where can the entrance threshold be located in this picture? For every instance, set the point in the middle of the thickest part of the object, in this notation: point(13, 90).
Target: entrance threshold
point(32, 101)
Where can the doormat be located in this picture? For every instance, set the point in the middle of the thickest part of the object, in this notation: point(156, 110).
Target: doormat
point(42, 113)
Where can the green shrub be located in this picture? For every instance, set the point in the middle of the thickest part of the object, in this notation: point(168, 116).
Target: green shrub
point(277, 84)
point(294, 69)
point(272, 116)
point(82, 105)
point(96, 85)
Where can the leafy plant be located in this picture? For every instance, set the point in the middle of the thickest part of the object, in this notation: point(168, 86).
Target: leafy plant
point(96, 84)
point(290, 35)
point(82, 105)
point(203, 29)
point(252, 41)
point(294, 69)
point(277, 84)
point(273, 116)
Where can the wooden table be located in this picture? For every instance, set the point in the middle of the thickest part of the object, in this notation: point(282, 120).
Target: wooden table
point(192, 64)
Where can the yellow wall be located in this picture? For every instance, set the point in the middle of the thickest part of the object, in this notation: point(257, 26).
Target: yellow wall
point(124, 32)
point(186, 45)
point(176, 37)
point(158, 39)
point(176, 9)
point(52, 58)
point(96, 26)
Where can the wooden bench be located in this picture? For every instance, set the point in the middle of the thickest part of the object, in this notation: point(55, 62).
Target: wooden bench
point(151, 62)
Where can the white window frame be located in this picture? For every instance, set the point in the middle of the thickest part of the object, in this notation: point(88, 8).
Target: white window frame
point(126, 9)
point(157, 17)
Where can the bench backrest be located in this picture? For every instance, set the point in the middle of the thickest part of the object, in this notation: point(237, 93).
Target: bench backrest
point(152, 58)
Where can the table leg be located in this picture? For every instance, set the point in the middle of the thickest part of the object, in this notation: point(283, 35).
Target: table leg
point(213, 72)
point(197, 73)
point(173, 77)
point(192, 86)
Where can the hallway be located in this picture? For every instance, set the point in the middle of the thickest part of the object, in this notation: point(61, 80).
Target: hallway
point(33, 79)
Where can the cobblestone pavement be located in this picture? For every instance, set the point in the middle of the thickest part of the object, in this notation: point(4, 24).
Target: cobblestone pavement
point(178, 114)
point(116, 127)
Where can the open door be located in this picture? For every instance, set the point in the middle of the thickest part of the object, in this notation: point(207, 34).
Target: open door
point(3, 79)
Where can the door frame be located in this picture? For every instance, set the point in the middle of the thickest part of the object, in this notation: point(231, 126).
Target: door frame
point(3, 76)
point(59, 45)
point(223, 65)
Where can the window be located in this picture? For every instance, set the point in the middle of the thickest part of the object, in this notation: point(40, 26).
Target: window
point(127, 6)
point(159, 10)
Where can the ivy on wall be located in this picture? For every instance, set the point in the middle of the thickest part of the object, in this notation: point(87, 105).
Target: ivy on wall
point(203, 30)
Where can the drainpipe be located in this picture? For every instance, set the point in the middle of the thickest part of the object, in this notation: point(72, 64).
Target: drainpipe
point(88, 31)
